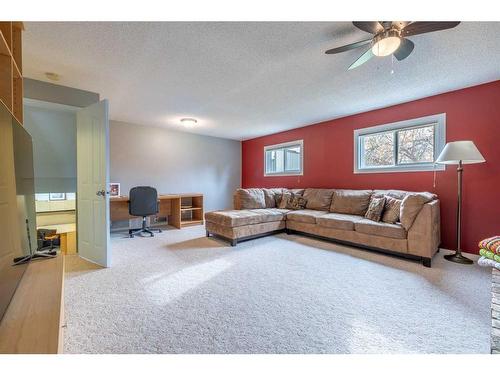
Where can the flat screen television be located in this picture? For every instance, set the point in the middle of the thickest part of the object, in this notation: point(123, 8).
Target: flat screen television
point(17, 218)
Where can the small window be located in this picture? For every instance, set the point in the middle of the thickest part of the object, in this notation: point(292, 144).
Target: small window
point(405, 146)
point(41, 197)
point(284, 159)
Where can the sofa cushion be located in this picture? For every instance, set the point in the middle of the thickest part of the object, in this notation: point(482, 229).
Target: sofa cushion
point(353, 202)
point(236, 218)
point(250, 198)
point(282, 211)
point(318, 199)
point(338, 221)
point(305, 216)
point(244, 230)
point(411, 206)
point(375, 208)
point(377, 228)
point(270, 214)
point(391, 210)
point(270, 196)
point(282, 199)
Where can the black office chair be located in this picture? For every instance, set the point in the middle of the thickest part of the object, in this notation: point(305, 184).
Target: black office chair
point(47, 239)
point(143, 201)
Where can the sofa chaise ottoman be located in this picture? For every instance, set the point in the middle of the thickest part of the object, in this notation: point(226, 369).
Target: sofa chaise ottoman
point(337, 215)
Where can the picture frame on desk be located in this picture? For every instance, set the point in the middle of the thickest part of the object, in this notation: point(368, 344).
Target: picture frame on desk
point(114, 189)
point(57, 196)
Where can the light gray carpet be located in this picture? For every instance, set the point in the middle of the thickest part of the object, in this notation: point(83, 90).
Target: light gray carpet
point(180, 292)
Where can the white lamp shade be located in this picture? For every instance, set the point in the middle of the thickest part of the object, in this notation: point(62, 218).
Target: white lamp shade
point(465, 151)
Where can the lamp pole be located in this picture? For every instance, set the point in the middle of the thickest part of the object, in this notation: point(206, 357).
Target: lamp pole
point(458, 257)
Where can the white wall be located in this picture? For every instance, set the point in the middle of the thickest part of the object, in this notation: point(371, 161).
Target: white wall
point(175, 162)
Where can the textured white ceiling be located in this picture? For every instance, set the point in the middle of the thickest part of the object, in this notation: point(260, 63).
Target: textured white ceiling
point(247, 79)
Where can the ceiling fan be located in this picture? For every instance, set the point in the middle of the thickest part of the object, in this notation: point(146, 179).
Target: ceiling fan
point(390, 37)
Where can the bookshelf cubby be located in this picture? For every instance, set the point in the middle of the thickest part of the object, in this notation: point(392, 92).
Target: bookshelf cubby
point(191, 209)
point(11, 78)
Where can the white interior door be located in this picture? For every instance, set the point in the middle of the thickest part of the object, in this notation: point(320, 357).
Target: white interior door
point(92, 159)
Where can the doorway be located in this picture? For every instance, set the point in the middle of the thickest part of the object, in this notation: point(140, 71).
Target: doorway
point(53, 130)
point(71, 167)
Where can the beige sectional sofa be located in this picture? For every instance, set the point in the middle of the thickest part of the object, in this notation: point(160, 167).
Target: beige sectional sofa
point(337, 215)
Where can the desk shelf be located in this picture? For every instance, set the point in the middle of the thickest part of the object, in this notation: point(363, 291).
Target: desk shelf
point(192, 213)
point(186, 223)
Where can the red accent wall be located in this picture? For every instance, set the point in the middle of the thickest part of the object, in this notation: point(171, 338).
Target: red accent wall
point(471, 114)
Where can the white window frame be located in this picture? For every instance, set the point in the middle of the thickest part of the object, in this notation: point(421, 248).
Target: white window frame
point(299, 143)
point(439, 121)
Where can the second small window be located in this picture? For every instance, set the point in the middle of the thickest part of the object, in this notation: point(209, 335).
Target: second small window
point(283, 159)
point(410, 145)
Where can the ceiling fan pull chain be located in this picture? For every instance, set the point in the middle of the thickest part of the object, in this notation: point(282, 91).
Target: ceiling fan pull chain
point(392, 64)
point(434, 179)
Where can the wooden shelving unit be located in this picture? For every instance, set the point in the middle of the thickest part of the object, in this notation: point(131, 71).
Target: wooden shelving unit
point(11, 68)
point(180, 209)
point(191, 209)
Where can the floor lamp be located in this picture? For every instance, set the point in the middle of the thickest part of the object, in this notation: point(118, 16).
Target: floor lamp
point(459, 153)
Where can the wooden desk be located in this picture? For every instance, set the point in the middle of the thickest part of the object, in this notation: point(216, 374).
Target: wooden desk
point(33, 322)
point(67, 233)
point(172, 206)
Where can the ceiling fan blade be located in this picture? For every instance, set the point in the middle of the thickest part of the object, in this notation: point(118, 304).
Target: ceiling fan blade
point(404, 50)
point(348, 47)
point(422, 27)
point(373, 27)
point(362, 59)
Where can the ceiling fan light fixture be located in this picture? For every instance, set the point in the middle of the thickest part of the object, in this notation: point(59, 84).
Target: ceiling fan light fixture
point(386, 43)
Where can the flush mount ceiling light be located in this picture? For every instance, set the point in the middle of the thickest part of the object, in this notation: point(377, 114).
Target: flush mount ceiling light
point(188, 121)
point(52, 76)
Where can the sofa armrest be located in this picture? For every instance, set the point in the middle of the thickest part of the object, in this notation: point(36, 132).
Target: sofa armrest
point(424, 236)
point(236, 202)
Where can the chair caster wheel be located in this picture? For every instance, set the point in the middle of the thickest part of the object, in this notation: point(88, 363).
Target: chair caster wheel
point(131, 235)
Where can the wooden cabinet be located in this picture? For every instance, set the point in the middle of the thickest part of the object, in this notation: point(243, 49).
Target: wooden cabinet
point(34, 320)
point(11, 77)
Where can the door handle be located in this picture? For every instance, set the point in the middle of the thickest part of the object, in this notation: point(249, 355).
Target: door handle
point(100, 193)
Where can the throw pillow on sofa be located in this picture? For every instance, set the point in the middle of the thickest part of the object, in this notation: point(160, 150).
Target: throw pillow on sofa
point(352, 202)
point(398, 194)
point(282, 199)
point(270, 196)
point(295, 191)
point(291, 201)
point(250, 198)
point(391, 210)
point(296, 202)
point(375, 208)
